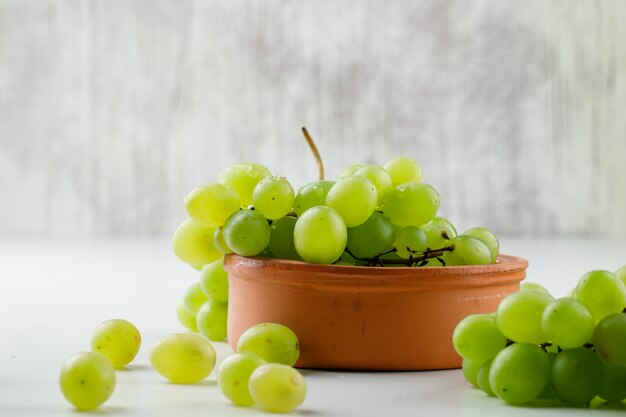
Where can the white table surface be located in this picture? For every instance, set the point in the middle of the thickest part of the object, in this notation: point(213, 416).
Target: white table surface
point(54, 293)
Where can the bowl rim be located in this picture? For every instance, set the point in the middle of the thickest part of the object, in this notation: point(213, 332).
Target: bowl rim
point(507, 269)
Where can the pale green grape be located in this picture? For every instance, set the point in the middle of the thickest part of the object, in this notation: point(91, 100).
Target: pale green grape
point(614, 386)
point(212, 319)
point(273, 197)
point(242, 178)
point(183, 358)
point(409, 241)
point(411, 204)
point(439, 232)
point(533, 286)
point(87, 380)
point(210, 205)
point(567, 323)
point(320, 235)
point(234, 374)
point(311, 195)
point(519, 316)
point(577, 375)
point(219, 241)
point(354, 198)
point(488, 238)
point(621, 274)
point(470, 370)
point(547, 393)
point(477, 337)
point(186, 317)
point(379, 177)
point(350, 170)
point(609, 339)
point(194, 297)
point(118, 340)
point(371, 238)
point(482, 378)
point(467, 250)
point(519, 373)
point(214, 281)
point(404, 169)
point(247, 233)
point(277, 388)
point(193, 243)
point(602, 293)
point(281, 238)
point(273, 342)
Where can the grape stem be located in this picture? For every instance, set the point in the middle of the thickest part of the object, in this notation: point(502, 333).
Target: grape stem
point(316, 154)
point(412, 261)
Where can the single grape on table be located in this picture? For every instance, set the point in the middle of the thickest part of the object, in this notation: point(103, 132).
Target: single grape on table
point(87, 380)
point(118, 340)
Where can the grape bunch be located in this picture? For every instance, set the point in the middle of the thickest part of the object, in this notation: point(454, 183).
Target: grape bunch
point(535, 347)
point(372, 215)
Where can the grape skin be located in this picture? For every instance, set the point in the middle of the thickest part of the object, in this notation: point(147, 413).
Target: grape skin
point(186, 317)
point(210, 205)
point(567, 323)
point(371, 238)
point(214, 281)
point(379, 177)
point(519, 316)
point(411, 204)
point(477, 337)
point(118, 340)
point(467, 250)
point(272, 342)
point(87, 380)
point(470, 369)
point(403, 169)
point(354, 198)
point(273, 197)
point(609, 339)
point(211, 320)
point(488, 238)
point(577, 375)
point(410, 241)
point(242, 178)
point(281, 238)
point(602, 293)
point(194, 297)
point(277, 388)
point(183, 358)
point(234, 374)
point(247, 233)
point(320, 235)
point(311, 195)
point(193, 243)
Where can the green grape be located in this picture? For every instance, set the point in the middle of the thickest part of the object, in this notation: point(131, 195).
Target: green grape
point(379, 177)
point(371, 238)
point(533, 286)
point(281, 238)
point(547, 392)
point(219, 241)
point(577, 375)
point(277, 388)
point(272, 342)
point(273, 197)
point(350, 170)
point(87, 380)
point(193, 243)
point(621, 274)
point(602, 293)
point(186, 317)
point(247, 233)
point(411, 204)
point(234, 374)
point(519, 373)
point(311, 195)
point(614, 386)
point(488, 238)
point(477, 337)
point(242, 178)
point(404, 169)
point(467, 250)
point(212, 320)
point(194, 297)
point(210, 205)
point(482, 378)
point(118, 340)
point(519, 316)
point(609, 339)
point(439, 232)
point(354, 198)
point(183, 358)
point(410, 241)
point(214, 281)
point(567, 323)
point(320, 235)
point(470, 370)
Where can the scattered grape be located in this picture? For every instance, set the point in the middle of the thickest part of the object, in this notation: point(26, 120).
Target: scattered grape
point(183, 358)
point(273, 197)
point(247, 233)
point(272, 342)
point(210, 205)
point(234, 374)
point(214, 281)
point(277, 388)
point(87, 380)
point(118, 340)
point(320, 235)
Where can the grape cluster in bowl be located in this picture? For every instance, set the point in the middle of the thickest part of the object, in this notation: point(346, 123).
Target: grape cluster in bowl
point(537, 348)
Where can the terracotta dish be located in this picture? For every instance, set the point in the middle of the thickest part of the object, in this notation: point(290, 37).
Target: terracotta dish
point(367, 318)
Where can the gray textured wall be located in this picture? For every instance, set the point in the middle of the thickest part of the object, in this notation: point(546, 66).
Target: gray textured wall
point(111, 110)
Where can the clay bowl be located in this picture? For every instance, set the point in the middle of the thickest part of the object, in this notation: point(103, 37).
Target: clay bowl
point(366, 318)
